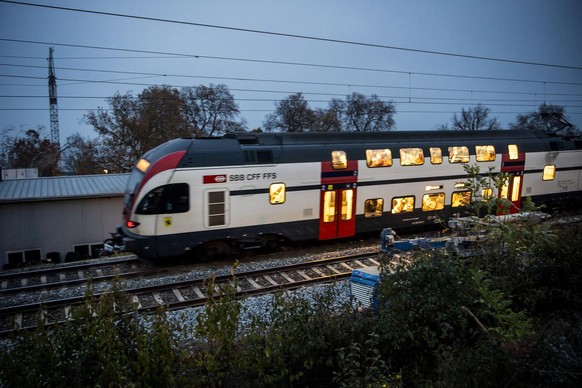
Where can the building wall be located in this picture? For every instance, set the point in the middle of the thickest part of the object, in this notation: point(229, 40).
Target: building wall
point(56, 226)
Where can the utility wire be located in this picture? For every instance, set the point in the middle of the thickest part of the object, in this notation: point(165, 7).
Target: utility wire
point(296, 36)
point(270, 80)
point(273, 62)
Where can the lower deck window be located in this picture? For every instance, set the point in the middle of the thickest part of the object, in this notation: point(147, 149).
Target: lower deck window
point(373, 207)
point(434, 201)
point(461, 198)
point(402, 204)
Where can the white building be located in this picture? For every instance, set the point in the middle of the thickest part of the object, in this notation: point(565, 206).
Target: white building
point(46, 218)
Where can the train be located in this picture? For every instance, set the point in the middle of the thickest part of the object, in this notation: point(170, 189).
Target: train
point(259, 189)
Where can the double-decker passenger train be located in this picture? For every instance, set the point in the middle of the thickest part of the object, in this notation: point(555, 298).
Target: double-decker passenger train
point(259, 189)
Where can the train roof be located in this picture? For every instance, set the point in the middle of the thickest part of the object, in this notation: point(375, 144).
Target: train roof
point(305, 138)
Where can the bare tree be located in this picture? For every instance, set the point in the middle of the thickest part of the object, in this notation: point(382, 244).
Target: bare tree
point(292, 114)
point(211, 110)
point(138, 124)
point(474, 119)
point(548, 118)
point(81, 157)
point(368, 114)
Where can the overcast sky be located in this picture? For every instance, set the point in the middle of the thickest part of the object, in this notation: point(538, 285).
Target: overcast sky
point(430, 58)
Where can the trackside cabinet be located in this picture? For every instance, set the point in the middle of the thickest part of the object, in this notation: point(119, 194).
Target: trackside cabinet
point(363, 283)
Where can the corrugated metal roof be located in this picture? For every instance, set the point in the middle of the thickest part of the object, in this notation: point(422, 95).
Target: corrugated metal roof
point(62, 187)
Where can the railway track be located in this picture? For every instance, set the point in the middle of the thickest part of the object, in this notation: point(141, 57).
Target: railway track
point(32, 280)
point(191, 293)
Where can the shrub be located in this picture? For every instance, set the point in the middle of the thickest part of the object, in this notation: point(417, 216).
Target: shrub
point(104, 343)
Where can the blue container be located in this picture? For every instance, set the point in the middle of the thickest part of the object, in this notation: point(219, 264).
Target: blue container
point(363, 284)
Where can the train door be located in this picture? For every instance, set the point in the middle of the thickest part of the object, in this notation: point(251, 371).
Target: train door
point(513, 162)
point(337, 214)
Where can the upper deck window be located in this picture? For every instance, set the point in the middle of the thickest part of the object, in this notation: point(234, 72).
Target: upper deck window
point(459, 154)
point(513, 151)
point(436, 155)
point(485, 153)
point(411, 156)
point(379, 158)
point(339, 160)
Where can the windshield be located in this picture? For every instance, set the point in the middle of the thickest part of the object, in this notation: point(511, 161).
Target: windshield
point(132, 184)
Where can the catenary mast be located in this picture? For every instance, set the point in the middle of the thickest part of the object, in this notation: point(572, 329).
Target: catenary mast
point(54, 110)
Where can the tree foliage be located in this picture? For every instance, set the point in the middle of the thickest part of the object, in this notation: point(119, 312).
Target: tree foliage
point(33, 150)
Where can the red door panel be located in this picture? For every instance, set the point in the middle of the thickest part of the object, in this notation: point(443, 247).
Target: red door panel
point(512, 189)
point(337, 215)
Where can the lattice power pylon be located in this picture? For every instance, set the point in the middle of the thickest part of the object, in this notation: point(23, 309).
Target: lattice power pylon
point(54, 110)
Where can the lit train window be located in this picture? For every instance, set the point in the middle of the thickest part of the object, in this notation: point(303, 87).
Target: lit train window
point(174, 198)
point(513, 152)
point(379, 158)
point(277, 193)
point(216, 208)
point(329, 206)
point(549, 173)
point(402, 204)
point(436, 155)
point(461, 198)
point(458, 154)
point(411, 156)
point(347, 204)
point(339, 160)
point(485, 153)
point(515, 188)
point(434, 201)
point(373, 207)
point(487, 194)
point(504, 189)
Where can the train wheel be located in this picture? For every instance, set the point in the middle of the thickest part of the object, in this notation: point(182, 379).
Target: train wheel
point(215, 249)
point(270, 243)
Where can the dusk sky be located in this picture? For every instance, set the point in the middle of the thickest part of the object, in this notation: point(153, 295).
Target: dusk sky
point(430, 58)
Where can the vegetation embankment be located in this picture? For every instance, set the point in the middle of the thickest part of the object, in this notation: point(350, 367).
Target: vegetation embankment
point(510, 316)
